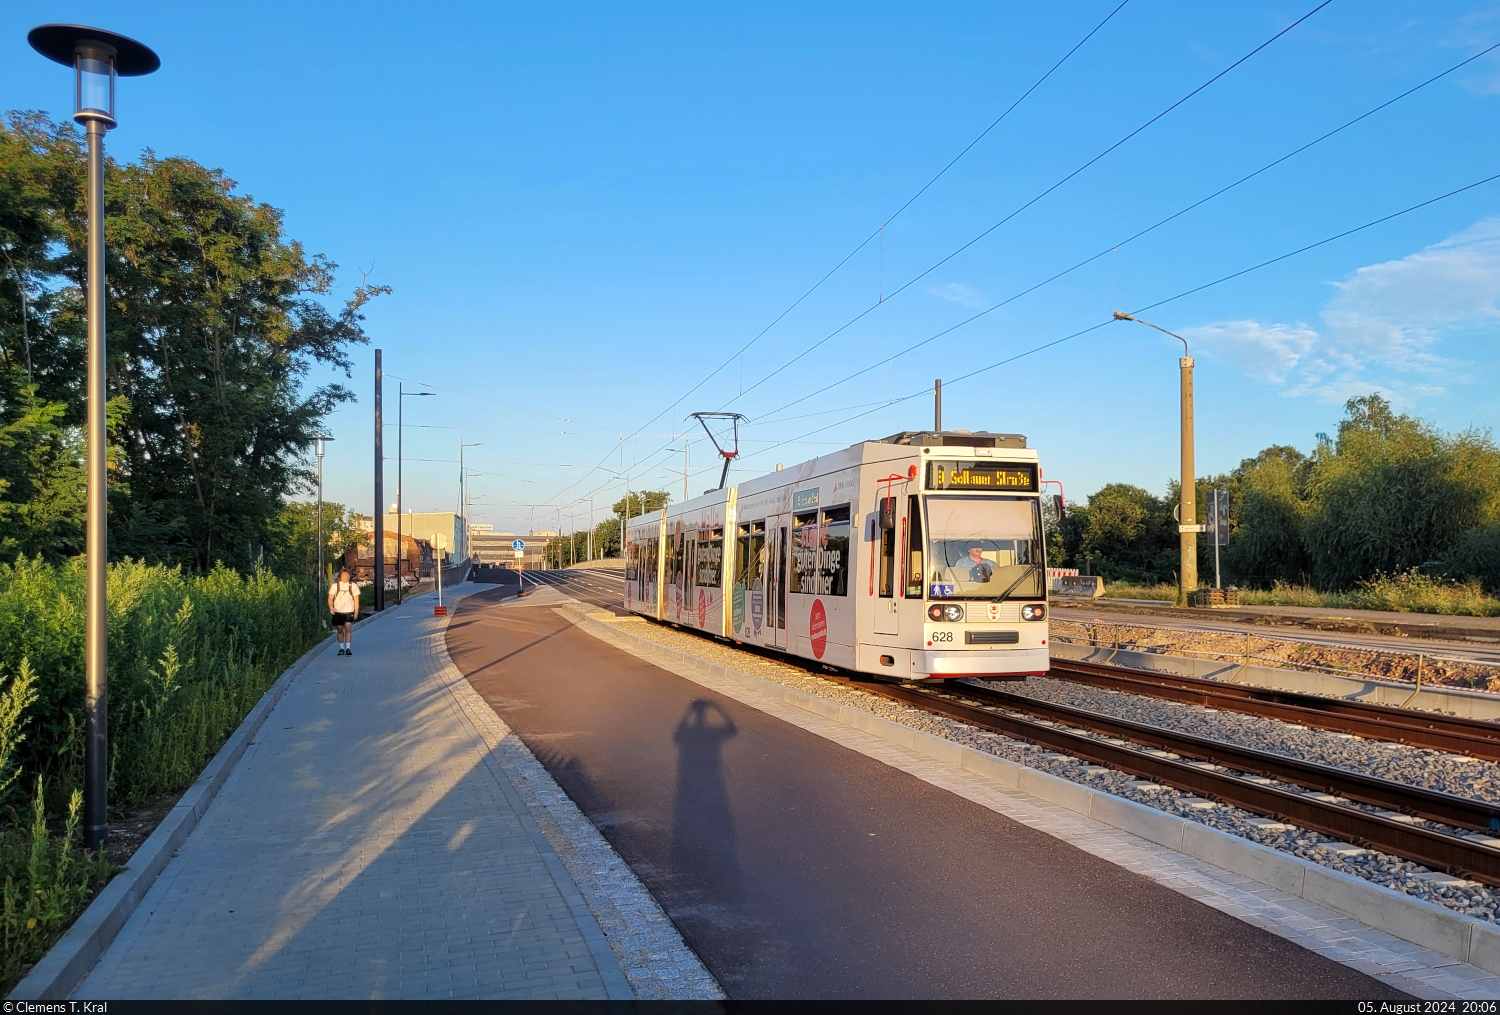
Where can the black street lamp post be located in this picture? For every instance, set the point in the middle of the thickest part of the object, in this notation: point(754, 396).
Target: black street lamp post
point(97, 58)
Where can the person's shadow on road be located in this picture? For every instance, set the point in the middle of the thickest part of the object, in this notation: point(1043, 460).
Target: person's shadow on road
point(705, 852)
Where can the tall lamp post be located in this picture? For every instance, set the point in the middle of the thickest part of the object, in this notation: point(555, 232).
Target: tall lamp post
point(463, 495)
point(1187, 519)
point(625, 523)
point(97, 58)
point(320, 439)
point(401, 396)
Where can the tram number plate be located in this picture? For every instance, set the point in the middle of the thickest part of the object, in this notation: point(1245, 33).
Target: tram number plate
point(942, 589)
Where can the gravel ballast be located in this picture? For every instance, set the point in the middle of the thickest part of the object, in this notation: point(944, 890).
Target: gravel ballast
point(1415, 766)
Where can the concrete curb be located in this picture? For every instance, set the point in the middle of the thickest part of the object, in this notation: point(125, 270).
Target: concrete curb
point(1476, 942)
point(606, 962)
point(58, 973)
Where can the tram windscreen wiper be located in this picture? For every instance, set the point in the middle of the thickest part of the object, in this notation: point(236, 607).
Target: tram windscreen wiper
point(1030, 568)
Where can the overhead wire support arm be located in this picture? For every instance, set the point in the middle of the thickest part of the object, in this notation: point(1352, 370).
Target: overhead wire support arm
point(729, 454)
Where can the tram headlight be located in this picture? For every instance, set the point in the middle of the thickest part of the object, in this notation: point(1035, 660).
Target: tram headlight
point(1033, 611)
point(950, 612)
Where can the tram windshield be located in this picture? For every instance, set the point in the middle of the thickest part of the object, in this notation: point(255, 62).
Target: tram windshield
point(984, 548)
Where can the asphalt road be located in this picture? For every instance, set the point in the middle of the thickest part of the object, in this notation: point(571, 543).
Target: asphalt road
point(799, 869)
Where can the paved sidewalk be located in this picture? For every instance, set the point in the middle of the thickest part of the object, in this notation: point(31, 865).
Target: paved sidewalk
point(366, 846)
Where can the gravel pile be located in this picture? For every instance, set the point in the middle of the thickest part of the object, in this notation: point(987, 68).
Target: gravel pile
point(1393, 872)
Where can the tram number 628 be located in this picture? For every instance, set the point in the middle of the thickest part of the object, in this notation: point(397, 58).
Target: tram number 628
point(942, 635)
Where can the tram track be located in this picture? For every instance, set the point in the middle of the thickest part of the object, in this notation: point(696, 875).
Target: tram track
point(1323, 798)
point(1478, 738)
point(1240, 777)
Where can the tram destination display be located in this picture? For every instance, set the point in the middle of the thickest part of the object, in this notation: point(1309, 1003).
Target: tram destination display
point(1017, 476)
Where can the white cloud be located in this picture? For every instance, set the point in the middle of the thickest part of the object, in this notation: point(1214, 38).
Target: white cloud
point(1267, 351)
point(955, 292)
point(1383, 326)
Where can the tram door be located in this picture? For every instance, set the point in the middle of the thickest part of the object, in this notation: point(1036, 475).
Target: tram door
point(884, 547)
point(776, 557)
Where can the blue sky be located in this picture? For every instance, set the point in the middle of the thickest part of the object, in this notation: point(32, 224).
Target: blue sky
point(585, 209)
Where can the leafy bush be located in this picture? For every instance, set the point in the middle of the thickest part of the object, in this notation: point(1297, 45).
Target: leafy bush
point(189, 655)
point(1476, 555)
point(1388, 494)
point(48, 880)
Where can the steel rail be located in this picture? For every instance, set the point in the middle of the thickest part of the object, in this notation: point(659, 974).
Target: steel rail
point(1476, 737)
point(1415, 800)
point(1133, 743)
point(1385, 833)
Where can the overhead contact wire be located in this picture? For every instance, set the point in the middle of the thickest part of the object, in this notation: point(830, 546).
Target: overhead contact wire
point(1151, 228)
point(1170, 299)
point(938, 264)
point(877, 231)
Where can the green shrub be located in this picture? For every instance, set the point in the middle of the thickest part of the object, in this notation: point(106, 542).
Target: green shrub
point(48, 881)
point(189, 655)
point(1476, 554)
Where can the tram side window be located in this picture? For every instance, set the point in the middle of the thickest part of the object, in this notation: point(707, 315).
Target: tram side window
point(803, 577)
point(710, 557)
point(756, 561)
point(749, 549)
point(674, 562)
point(820, 552)
point(632, 552)
point(836, 525)
point(913, 549)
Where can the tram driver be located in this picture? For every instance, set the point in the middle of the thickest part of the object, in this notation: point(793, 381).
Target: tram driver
point(980, 569)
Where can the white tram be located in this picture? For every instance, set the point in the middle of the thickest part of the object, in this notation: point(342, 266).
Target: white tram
point(919, 557)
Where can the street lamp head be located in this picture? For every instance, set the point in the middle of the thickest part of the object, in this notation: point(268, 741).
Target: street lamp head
point(1121, 315)
point(96, 57)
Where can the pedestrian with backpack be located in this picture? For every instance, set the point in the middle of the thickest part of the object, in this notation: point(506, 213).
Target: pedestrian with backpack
point(343, 604)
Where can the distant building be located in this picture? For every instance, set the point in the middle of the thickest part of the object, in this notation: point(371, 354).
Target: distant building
point(499, 547)
point(422, 525)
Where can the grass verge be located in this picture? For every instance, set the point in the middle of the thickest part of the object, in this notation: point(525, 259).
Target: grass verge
point(1410, 592)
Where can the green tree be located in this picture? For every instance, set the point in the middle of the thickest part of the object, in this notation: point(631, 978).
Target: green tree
point(1267, 513)
point(1128, 532)
point(643, 502)
point(607, 537)
point(1391, 492)
point(215, 317)
point(293, 549)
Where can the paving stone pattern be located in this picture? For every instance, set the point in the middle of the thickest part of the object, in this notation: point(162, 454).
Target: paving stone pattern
point(366, 846)
point(657, 962)
point(1418, 971)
